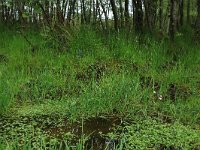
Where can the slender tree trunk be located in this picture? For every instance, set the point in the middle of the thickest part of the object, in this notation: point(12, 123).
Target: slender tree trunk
point(52, 12)
point(2, 11)
point(19, 9)
point(121, 14)
point(12, 18)
point(47, 13)
point(73, 11)
point(69, 12)
point(138, 15)
point(84, 17)
point(176, 15)
point(45, 17)
point(30, 16)
point(77, 12)
point(133, 8)
point(82, 14)
point(100, 17)
point(65, 5)
point(34, 18)
point(105, 13)
point(151, 13)
point(197, 33)
point(147, 14)
point(160, 14)
point(126, 13)
point(60, 18)
point(90, 12)
point(188, 11)
point(114, 9)
point(14, 13)
point(94, 13)
point(171, 21)
point(181, 12)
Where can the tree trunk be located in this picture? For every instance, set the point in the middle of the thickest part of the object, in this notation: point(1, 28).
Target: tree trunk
point(188, 11)
point(105, 14)
point(84, 17)
point(147, 14)
point(94, 13)
point(121, 14)
point(45, 17)
point(73, 11)
point(19, 9)
point(126, 13)
point(60, 18)
point(69, 12)
point(138, 15)
point(181, 12)
point(171, 20)
point(197, 33)
point(12, 18)
point(90, 12)
point(114, 9)
point(100, 17)
point(2, 11)
point(64, 8)
point(151, 12)
point(46, 8)
point(133, 8)
point(160, 14)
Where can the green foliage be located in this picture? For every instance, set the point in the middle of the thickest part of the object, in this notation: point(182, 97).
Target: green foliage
point(91, 76)
point(5, 92)
point(150, 134)
point(85, 42)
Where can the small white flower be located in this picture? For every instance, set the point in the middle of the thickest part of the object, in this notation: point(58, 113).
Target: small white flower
point(160, 97)
point(154, 92)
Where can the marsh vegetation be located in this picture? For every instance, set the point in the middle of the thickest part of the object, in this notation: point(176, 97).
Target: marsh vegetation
point(85, 82)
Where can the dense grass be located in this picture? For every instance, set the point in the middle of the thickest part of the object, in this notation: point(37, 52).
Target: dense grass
point(142, 78)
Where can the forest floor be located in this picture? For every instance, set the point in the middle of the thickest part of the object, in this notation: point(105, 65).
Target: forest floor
point(98, 94)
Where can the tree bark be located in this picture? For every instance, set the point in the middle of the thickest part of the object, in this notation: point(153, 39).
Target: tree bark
point(133, 8)
point(46, 9)
point(90, 12)
point(197, 33)
point(181, 12)
point(2, 11)
point(138, 15)
point(69, 12)
point(188, 11)
point(19, 9)
point(100, 17)
point(84, 17)
point(65, 10)
point(105, 13)
point(160, 14)
point(73, 11)
point(147, 14)
point(59, 14)
point(94, 13)
point(171, 20)
point(114, 9)
point(151, 12)
point(121, 14)
point(126, 13)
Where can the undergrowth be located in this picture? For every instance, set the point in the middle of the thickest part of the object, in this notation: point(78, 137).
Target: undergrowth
point(91, 76)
